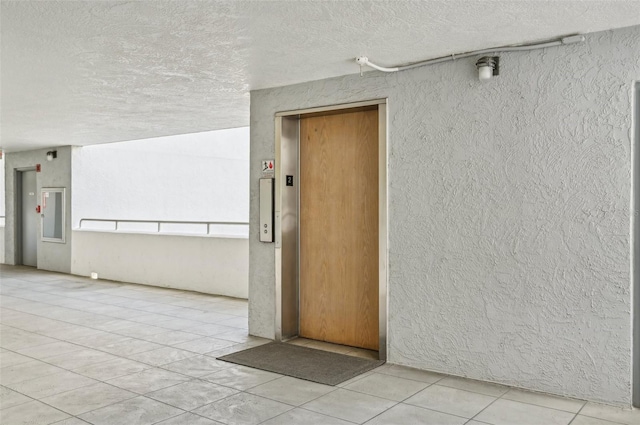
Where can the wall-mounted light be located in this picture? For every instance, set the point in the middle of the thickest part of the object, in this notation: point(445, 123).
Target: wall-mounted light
point(488, 66)
point(51, 155)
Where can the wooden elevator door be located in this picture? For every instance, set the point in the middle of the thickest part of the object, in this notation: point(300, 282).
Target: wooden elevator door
point(339, 227)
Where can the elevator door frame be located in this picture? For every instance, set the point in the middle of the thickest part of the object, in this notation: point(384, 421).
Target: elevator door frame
point(287, 248)
point(19, 209)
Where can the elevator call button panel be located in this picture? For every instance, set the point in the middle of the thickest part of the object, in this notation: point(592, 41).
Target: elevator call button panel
point(266, 210)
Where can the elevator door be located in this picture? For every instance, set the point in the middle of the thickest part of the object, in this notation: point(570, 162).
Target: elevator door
point(29, 219)
point(339, 227)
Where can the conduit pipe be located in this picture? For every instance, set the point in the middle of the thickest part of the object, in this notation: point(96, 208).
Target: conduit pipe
point(572, 39)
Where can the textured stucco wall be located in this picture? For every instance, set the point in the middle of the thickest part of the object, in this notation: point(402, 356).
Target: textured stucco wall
point(57, 173)
point(509, 203)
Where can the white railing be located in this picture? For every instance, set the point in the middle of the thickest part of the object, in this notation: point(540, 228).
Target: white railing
point(2, 221)
point(196, 228)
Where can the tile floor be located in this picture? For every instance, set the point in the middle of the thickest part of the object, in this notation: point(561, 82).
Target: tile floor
point(76, 351)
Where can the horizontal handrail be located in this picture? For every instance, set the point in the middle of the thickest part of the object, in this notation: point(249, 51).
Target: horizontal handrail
point(159, 223)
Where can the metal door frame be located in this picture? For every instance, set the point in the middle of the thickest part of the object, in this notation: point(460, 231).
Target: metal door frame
point(287, 248)
point(635, 246)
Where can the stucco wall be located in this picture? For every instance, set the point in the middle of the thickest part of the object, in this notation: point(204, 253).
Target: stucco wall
point(509, 208)
point(57, 173)
point(213, 265)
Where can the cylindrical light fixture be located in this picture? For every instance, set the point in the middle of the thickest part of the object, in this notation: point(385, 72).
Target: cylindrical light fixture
point(51, 155)
point(488, 66)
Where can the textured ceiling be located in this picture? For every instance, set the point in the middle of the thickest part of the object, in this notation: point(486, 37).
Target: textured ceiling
point(79, 73)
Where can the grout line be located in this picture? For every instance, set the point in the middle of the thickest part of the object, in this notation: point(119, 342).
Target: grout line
point(485, 408)
point(584, 402)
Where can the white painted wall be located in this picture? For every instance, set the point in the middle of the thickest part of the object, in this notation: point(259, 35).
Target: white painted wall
point(197, 263)
point(509, 212)
point(191, 177)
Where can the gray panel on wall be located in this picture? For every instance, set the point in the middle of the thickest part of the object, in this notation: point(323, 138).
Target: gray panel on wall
point(509, 245)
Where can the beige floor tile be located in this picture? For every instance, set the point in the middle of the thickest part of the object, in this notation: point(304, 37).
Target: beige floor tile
point(291, 390)
point(409, 373)
point(197, 366)
point(140, 330)
point(545, 400)
point(149, 380)
point(72, 421)
point(10, 398)
point(209, 329)
point(112, 369)
point(480, 387)
point(507, 412)
point(451, 400)
point(610, 413)
point(9, 358)
point(224, 351)
point(204, 345)
point(242, 409)
point(237, 335)
point(236, 322)
point(26, 371)
point(171, 337)
point(52, 384)
point(48, 350)
point(188, 419)
point(349, 405)
point(88, 398)
point(191, 395)
point(587, 420)
point(32, 413)
point(354, 379)
point(178, 324)
point(241, 377)
point(301, 416)
point(20, 340)
point(387, 386)
point(162, 356)
point(403, 414)
point(135, 411)
point(79, 359)
point(130, 347)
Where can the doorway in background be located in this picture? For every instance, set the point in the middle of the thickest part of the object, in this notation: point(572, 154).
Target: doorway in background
point(28, 218)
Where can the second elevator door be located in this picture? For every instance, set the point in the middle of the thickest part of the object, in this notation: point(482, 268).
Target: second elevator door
point(339, 227)
point(29, 219)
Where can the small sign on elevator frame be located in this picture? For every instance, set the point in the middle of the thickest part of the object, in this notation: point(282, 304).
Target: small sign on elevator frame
point(268, 168)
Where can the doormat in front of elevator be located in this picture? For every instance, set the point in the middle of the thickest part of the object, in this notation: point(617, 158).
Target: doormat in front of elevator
point(319, 366)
